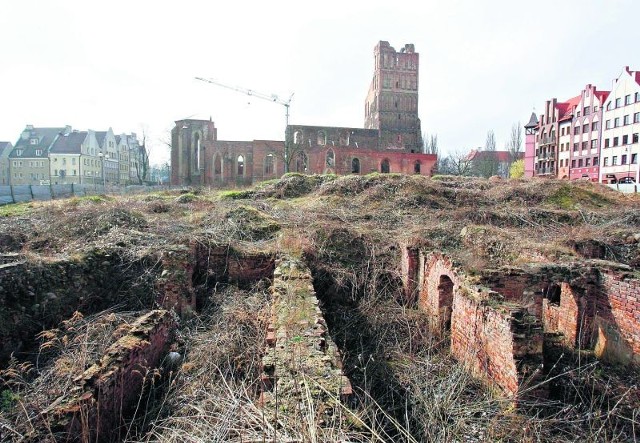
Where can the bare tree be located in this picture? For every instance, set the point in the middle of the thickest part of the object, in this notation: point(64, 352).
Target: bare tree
point(142, 163)
point(515, 142)
point(456, 163)
point(430, 143)
point(485, 163)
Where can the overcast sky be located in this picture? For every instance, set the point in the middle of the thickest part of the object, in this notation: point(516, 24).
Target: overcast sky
point(131, 64)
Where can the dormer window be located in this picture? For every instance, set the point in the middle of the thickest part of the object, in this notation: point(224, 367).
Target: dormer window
point(18, 152)
point(33, 141)
point(38, 152)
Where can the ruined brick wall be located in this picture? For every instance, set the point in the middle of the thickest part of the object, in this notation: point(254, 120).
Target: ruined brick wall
point(434, 299)
point(409, 268)
point(108, 390)
point(618, 318)
point(497, 342)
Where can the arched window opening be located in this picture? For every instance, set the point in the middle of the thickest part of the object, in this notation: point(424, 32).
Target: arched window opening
point(416, 167)
point(302, 163)
point(322, 138)
point(330, 158)
point(384, 166)
point(269, 164)
point(355, 166)
point(196, 147)
point(297, 137)
point(445, 301)
point(240, 169)
point(552, 293)
point(217, 165)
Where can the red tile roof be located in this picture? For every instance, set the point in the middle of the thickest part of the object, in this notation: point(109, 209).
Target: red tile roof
point(500, 156)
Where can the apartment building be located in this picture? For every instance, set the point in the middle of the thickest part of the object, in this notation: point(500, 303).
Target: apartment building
point(123, 156)
point(547, 152)
point(29, 159)
point(109, 150)
point(586, 134)
point(621, 116)
point(74, 159)
point(564, 151)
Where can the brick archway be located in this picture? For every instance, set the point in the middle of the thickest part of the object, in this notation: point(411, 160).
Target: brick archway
point(439, 284)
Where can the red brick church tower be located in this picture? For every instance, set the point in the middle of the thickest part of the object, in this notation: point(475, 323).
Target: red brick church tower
point(392, 101)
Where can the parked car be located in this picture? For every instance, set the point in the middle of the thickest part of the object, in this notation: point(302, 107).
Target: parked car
point(627, 180)
point(610, 178)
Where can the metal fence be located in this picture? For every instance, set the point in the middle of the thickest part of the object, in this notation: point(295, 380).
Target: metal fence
point(627, 188)
point(25, 193)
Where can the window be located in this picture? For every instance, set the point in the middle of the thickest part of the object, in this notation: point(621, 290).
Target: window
point(627, 99)
point(74, 172)
point(625, 139)
point(384, 166)
point(585, 145)
point(609, 106)
point(416, 167)
point(606, 161)
point(626, 119)
point(579, 163)
point(594, 126)
point(587, 110)
point(636, 117)
point(595, 161)
point(595, 109)
point(578, 114)
point(355, 166)
point(575, 146)
point(330, 158)
point(297, 137)
point(18, 152)
point(240, 166)
point(585, 128)
point(64, 161)
point(594, 144)
point(73, 161)
point(322, 138)
point(614, 160)
point(623, 159)
point(615, 141)
point(616, 122)
point(573, 163)
point(38, 152)
point(268, 164)
point(634, 138)
point(637, 97)
point(576, 130)
point(606, 142)
point(634, 159)
point(302, 162)
point(33, 141)
point(607, 124)
point(618, 102)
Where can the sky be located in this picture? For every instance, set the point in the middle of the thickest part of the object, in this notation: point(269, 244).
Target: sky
point(131, 65)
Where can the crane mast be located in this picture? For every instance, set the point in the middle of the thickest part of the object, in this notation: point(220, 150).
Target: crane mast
point(272, 98)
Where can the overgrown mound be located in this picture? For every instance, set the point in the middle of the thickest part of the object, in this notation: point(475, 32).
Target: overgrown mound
point(244, 223)
point(575, 196)
point(292, 185)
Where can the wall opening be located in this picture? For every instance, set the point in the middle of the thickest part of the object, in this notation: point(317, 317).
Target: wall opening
point(196, 147)
point(269, 164)
point(445, 299)
point(217, 167)
point(552, 293)
point(416, 167)
point(302, 163)
point(240, 166)
point(384, 166)
point(330, 158)
point(355, 166)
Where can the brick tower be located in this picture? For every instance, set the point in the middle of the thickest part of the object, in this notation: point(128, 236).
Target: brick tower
point(392, 101)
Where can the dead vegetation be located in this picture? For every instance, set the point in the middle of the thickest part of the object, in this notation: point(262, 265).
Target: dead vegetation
point(348, 230)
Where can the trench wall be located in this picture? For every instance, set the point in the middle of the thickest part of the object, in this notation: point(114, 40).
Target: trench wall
point(109, 390)
point(300, 357)
point(499, 341)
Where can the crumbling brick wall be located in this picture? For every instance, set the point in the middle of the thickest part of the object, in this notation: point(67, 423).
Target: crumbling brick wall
point(438, 282)
point(109, 389)
point(618, 317)
point(497, 341)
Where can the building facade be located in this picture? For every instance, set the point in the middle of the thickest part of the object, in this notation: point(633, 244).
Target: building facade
point(530, 130)
point(74, 158)
point(109, 150)
point(586, 134)
point(29, 159)
point(5, 150)
point(390, 141)
point(621, 116)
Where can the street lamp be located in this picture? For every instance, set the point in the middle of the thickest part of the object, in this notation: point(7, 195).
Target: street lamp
point(104, 181)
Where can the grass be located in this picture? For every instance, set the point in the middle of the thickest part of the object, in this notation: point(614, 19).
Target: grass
point(16, 209)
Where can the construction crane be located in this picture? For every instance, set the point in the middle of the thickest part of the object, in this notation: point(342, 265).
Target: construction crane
point(272, 98)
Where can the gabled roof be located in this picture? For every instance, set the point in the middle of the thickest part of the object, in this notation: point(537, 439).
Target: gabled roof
point(44, 136)
point(69, 144)
point(602, 95)
point(565, 109)
point(499, 156)
point(100, 136)
point(5, 146)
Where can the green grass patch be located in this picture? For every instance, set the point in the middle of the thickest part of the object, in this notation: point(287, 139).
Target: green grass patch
point(569, 196)
point(236, 194)
point(15, 209)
